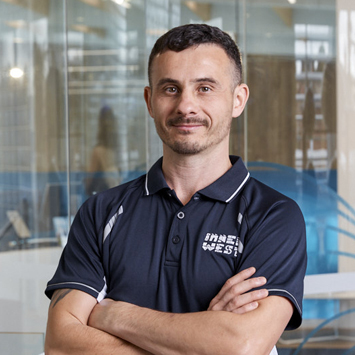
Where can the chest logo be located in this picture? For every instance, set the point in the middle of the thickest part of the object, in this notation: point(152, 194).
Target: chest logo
point(223, 244)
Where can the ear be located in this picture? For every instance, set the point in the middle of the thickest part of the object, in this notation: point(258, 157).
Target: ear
point(147, 98)
point(241, 95)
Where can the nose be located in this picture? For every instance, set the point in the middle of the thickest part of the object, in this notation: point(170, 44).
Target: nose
point(187, 104)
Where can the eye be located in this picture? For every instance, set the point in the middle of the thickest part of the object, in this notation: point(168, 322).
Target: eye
point(205, 89)
point(171, 89)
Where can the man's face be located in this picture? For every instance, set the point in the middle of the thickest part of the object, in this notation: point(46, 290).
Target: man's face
point(192, 98)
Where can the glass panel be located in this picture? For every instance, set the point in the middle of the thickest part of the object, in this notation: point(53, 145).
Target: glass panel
point(292, 146)
point(106, 77)
point(33, 187)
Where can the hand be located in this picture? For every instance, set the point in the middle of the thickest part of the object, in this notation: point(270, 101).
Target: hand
point(234, 296)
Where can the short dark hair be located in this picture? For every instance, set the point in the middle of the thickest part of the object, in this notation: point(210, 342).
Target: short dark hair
point(185, 36)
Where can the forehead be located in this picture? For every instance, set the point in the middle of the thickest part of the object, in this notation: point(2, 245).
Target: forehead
point(199, 61)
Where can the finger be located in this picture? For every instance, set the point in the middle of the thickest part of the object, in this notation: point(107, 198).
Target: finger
point(235, 291)
point(247, 308)
point(241, 303)
point(241, 276)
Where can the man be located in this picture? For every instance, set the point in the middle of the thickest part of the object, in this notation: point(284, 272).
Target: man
point(177, 259)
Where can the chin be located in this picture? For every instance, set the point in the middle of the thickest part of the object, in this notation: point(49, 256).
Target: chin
point(187, 148)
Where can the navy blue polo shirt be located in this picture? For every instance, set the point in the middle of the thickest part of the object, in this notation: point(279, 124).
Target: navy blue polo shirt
point(138, 243)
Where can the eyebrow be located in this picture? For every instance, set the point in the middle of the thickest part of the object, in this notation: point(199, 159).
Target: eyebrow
point(206, 80)
point(164, 81)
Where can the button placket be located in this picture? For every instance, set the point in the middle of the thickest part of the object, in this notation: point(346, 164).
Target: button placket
point(176, 239)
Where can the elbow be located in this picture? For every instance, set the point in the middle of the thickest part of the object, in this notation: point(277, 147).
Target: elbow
point(52, 347)
point(245, 344)
point(49, 349)
point(251, 347)
point(246, 348)
point(239, 347)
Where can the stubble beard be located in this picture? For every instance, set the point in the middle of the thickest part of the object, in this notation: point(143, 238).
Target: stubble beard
point(184, 145)
point(186, 148)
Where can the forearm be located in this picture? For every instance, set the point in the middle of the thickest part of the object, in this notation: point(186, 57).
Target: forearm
point(237, 322)
point(76, 338)
point(189, 333)
point(68, 331)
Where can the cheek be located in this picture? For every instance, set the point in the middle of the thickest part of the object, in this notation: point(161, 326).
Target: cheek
point(221, 108)
point(162, 107)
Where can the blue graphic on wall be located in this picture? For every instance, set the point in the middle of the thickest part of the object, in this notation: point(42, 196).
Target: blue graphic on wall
point(322, 209)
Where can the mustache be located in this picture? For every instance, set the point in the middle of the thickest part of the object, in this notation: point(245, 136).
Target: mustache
point(186, 120)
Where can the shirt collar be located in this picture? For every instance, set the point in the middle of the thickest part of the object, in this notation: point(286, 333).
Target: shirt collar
point(224, 189)
point(154, 179)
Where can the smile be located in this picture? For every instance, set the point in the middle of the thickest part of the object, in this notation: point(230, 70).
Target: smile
point(187, 128)
point(187, 123)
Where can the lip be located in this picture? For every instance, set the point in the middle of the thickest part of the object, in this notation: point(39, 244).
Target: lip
point(187, 127)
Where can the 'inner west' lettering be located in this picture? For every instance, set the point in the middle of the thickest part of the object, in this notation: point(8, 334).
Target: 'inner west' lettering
point(222, 243)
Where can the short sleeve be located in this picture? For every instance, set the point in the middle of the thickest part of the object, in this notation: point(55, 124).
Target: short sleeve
point(276, 247)
point(80, 264)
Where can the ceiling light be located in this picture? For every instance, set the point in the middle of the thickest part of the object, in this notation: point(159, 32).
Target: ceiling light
point(16, 73)
point(292, 2)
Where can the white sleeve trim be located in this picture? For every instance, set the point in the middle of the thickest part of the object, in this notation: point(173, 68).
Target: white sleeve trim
point(103, 292)
point(290, 294)
point(100, 294)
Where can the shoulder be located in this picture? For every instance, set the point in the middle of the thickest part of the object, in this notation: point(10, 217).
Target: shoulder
point(257, 193)
point(105, 203)
point(264, 202)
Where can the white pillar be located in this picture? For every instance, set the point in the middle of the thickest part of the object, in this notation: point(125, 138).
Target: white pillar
point(346, 124)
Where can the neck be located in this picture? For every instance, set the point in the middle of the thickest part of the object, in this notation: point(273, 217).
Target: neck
point(187, 174)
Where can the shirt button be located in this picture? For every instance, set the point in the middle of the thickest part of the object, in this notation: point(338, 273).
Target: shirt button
point(181, 215)
point(176, 239)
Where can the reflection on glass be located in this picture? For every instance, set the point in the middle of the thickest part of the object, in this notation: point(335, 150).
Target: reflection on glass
point(106, 77)
point(293, 127)
point(103, 168)
point(33, 184)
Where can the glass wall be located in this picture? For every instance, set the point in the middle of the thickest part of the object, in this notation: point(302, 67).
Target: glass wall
point(292, 134)
point(33, 164)
point(73, 123)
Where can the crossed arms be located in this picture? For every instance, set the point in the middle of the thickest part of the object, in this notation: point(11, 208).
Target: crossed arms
point(236, 322)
